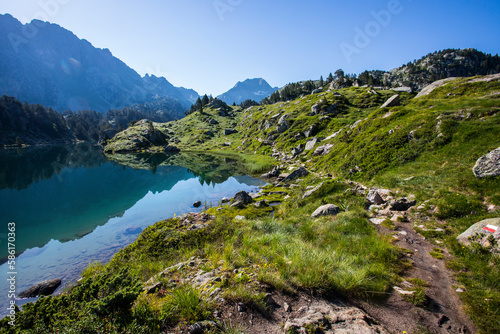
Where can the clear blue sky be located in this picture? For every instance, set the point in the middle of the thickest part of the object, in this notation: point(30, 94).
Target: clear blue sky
point(209, 45)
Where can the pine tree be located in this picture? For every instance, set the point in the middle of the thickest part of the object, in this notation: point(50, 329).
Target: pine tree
point(321, 82)
point(330, 78)
point(198, 105)
point(204, 100)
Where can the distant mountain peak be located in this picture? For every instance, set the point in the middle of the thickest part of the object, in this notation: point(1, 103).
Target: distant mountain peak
point(249, 89)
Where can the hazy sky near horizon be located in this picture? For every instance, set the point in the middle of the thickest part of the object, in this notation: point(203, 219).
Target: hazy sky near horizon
point(209, 45)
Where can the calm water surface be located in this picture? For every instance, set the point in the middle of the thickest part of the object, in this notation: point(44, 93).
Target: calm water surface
point(73, 205)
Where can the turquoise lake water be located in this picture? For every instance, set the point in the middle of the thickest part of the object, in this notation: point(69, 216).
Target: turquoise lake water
point(75, 206)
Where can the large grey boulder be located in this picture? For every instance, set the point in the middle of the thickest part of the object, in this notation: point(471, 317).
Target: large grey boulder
point(283, 124)
point(228, 132)
point(391, 102)
point(326, 210)
point(44, 288)
point(374, 197)
point(323, 150)
point(314, 109)
point(482, 232)
point(488, 165)
point(299, 172)
point(312, 191)
point(243, 197)
point(274, 173)
point(311, 143)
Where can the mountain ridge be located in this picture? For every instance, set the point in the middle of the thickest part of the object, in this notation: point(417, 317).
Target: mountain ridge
point(55, 68)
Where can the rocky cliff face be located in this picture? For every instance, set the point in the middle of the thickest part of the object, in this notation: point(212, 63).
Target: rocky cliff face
point(440, 65)
point(250, 89)
point(47, 64)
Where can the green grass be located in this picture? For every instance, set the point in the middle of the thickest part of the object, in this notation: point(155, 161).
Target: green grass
point(434, 139)
point(185, 303)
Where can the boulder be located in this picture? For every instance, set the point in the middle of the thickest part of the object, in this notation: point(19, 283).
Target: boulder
point(274, 173)
point(311, 143)
point(44, 288)
point(243, 197)
point(197, 204)
point(283, 124)
point(299, 172)
point(313, 129)
point(171, 149)
point(213, 122)
point(481, 232)
point(238, 205)
point(323, 150)
point(402, 204)
point(403, 89)
point(297, 150)
point(317, 91)
point(261, 204)
point(210, 133)
point(391, 102)
point(488, 165)
point(312, 191)
point(314, 109)
point(228, 132)
point(282, 127)
point(219, 104)
point(225, 200)
point(326, 210)
point(374, 197)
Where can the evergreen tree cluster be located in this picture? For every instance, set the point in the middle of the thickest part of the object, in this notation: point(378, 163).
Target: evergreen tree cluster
point(248, 103)
point(34, 124)
point(199, 104)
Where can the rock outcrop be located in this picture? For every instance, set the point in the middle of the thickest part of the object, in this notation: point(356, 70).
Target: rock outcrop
point(334, 319)
point(142, 135)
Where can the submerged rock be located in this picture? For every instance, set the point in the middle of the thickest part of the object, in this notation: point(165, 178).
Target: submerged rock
point(44, 288)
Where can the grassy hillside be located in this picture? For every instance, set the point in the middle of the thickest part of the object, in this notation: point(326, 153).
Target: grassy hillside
point(424, 148)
